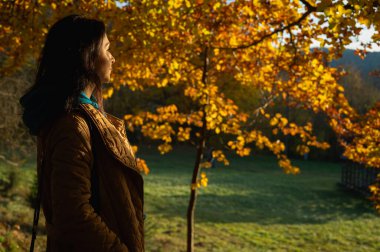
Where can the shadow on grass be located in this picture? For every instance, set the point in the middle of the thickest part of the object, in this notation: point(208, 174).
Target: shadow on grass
point(252, 190)
point(278, 207)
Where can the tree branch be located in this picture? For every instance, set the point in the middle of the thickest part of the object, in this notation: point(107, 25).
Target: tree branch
point(264, 106)
point(310, 9)
point(9, 162)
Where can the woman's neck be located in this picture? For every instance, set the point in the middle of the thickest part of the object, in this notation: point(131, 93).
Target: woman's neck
point(89, 90)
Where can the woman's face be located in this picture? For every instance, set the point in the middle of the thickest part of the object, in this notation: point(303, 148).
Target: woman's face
point(105, 61)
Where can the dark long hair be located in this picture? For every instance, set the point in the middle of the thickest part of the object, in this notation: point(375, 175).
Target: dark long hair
point(66, 67)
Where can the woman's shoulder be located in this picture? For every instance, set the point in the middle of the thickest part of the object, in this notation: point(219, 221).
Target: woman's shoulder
point(69, 124)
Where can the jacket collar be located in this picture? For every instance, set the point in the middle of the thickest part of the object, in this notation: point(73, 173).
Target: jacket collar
point(112, 132)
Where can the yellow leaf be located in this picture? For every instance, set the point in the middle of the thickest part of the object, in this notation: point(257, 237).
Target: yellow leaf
point(205, 165)
point(175, 64)
point(216, 6)
point(134, 148)
point(273, 121)
point(164, 82)
point(204, 182)
point(142, 166)
point(284, 121)
point(205, 31)
point(233, 41)
point(161, 61)
point(217, 130)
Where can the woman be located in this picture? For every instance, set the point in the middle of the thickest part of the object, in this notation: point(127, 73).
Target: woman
point(92, 190)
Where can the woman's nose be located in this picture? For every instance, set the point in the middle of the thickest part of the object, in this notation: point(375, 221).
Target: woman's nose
point(112, 59)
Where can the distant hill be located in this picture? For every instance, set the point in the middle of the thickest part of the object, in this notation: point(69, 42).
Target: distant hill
point(370, 63)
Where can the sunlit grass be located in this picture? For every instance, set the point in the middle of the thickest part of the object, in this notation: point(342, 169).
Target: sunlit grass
point(252, 205)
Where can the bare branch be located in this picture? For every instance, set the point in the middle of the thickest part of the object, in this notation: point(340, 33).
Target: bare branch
point(264, 106)
point(8, 161)
point(308, 5)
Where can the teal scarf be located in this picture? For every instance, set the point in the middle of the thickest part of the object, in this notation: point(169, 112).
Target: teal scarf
point(83, 99)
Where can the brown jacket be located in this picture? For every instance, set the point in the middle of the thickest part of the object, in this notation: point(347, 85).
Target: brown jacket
point(71, 222)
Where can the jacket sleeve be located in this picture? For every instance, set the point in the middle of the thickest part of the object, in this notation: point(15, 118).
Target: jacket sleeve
point(74, 219)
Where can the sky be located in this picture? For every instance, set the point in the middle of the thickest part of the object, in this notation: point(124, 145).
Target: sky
point(365, 36)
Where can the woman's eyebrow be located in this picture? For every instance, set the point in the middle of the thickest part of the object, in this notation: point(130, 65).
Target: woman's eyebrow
point(107, 44)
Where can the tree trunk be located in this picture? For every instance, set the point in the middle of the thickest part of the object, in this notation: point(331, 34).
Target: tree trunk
point(198, 159)
point(193, 193)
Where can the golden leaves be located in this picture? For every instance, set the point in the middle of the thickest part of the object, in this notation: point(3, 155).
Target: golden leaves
point(162, 43)
point(273, 121)
point(134, 149)
point(220, 157)
point(233, 41)
point(375, 190)
point(202, 181)
point(107, 93)
point(183, 134)
point(246, 10)
point(205, 165)
point(170, 109)
point(285, 164)
point(365, 146)
point(303, 149)
point(164, 148)
point(216, 6)
point(175, 4)
point(142, 166)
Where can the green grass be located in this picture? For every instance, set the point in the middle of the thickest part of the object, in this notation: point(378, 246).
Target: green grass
point(250, 205)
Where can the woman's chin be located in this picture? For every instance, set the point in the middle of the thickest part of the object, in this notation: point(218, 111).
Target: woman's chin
point(106, 80)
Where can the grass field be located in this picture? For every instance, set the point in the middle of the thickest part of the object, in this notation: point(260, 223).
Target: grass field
point(250, 205)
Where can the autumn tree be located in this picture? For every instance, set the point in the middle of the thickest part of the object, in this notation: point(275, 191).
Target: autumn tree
point(361, 93)
point(193, 45)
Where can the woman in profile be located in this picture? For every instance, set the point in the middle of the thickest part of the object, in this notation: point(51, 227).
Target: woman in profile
point(90, 187)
